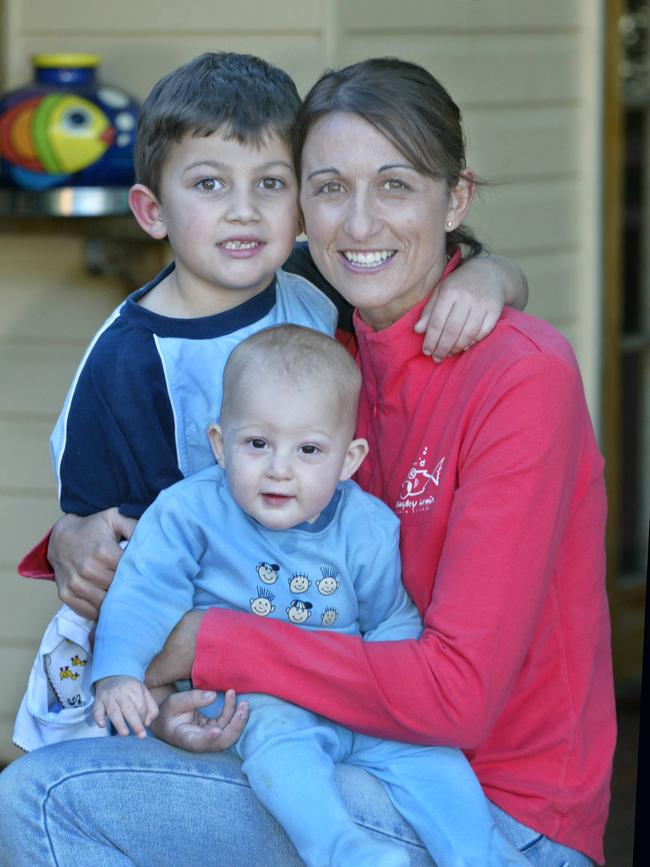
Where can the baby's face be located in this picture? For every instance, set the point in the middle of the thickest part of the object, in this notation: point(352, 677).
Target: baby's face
point(283, 447)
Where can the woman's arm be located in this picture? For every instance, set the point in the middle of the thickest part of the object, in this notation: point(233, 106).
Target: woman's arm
point(530, 481)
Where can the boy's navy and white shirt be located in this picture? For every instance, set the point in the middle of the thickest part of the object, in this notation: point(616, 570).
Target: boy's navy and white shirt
point(136, 416)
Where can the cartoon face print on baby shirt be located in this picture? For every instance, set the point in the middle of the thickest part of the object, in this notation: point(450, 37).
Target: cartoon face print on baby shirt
point(268, 572)
point(299, 583)
point(329, 583)
point(262, 604)
point(299, 611)
point(328, 617)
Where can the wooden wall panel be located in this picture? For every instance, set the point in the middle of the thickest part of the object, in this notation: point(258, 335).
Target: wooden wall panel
point(40, 376)
point(25, 519)
point(58, 304)
point(528, 217)
point(518, 144)
point(552, 281)
point(28, 604)
point(498, 71)
point(169, 17)
point(469, 16)
point(24, 440)
point(135, 62)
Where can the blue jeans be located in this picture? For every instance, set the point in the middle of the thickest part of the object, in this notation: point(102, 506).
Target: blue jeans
point(122, 801)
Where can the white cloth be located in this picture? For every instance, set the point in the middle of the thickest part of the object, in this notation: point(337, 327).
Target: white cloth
point(56, 705)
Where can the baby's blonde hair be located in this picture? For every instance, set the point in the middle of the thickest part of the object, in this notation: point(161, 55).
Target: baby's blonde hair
point(301, 356)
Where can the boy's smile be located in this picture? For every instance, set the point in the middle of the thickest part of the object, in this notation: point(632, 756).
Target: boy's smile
point(230, 211)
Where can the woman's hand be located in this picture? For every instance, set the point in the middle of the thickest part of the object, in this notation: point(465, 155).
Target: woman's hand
point(181, 723)
point(466, 306)
point(175, 660)
point(84, 553)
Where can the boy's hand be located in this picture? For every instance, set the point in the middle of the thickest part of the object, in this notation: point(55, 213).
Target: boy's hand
point(126, 702)
point(183, 725)
point(466, 306)
point(84, 553)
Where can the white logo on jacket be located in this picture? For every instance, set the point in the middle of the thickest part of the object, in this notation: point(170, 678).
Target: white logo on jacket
point(416, 495)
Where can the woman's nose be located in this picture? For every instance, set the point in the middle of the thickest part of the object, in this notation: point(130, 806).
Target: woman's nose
point(361, 219)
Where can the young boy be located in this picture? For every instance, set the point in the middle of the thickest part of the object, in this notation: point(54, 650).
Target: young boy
point(216, 178)
point(286, 451)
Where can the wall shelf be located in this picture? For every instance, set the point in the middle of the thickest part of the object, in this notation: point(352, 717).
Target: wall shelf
point(64, 202)
point(114, 244)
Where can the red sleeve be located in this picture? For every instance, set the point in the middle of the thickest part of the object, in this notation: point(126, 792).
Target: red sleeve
point(347, 339)
point(529, 478)
point(35, 563)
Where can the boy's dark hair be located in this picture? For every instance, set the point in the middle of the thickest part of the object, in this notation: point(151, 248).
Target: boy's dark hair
point(243, 96)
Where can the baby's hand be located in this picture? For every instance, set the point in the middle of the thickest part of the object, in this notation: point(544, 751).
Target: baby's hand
point(466, 306)
point(126, 702)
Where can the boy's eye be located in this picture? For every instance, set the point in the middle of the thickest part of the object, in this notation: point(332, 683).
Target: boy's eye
point(271, 184)
point(208, 185)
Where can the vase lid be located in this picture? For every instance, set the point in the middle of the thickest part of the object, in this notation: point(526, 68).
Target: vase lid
point(68, 60)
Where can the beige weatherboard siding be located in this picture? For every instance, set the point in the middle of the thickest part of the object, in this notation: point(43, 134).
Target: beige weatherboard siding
point(527, 75)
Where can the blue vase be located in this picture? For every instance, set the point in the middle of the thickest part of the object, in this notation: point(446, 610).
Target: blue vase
point(66, 129)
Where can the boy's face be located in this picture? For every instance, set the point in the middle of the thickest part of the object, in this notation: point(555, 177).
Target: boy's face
point(231, 214)
point(284, 449)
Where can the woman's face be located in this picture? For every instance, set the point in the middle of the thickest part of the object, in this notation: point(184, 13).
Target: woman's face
point(376, 226)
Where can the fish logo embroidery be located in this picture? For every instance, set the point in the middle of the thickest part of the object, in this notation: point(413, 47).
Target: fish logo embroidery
point(415, 494)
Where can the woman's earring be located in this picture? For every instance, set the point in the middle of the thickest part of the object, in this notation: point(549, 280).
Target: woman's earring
point(449, 224)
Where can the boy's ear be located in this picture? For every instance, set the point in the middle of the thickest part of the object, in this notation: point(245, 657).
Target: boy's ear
point(147, 211)
point(355, 455)
point(215, 435)
point(460, 200)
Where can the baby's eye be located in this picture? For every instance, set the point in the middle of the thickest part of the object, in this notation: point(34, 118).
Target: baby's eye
point(272, 184)
point(309, 449)
point(257, 443)
point(208, 185)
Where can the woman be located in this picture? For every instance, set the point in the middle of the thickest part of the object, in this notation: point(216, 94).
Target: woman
point(490, 463)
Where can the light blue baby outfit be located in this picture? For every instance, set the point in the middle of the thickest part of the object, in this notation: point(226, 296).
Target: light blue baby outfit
point(196, 548)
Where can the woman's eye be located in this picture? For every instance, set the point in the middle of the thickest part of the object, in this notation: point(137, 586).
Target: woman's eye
point(271, 184)
point(395, 185)
point(331, 188)
point(208, 185)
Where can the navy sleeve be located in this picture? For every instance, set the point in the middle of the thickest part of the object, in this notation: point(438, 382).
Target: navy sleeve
point(301, 263)
point(119, 448)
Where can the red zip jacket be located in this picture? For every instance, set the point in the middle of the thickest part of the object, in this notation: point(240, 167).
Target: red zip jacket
point(490, 462)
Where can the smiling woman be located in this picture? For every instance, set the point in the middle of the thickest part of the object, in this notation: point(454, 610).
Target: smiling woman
point(377, 225)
